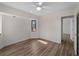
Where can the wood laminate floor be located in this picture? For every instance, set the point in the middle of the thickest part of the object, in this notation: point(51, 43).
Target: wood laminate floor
point(38, 47)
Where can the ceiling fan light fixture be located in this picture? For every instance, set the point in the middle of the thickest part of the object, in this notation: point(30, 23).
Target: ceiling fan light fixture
point(38, 8)
point(40, 3)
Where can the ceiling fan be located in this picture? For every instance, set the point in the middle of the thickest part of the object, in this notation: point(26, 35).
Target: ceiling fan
point(39, 6)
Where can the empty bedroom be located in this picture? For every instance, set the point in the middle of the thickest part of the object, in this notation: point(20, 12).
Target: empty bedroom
point(39, 28)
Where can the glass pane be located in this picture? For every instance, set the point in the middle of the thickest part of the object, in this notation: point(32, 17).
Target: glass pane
point(33, 25)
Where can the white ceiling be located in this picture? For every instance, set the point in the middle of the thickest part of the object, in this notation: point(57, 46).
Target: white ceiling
point(49, 6)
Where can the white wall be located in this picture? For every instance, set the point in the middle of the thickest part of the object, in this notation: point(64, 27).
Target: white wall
point(50, 25)
point(75, 41)
point(67, 25)
point(50, 28)
point(1, 45)
point(0, 24)
point(14, 30)
point(34, 34)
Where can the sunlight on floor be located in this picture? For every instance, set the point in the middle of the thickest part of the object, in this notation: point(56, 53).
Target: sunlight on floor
point(42, 41)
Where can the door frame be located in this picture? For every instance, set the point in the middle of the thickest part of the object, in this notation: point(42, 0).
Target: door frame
point(77, 32)
point(64, 17)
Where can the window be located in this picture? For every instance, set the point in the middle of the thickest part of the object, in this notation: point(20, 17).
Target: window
point(33, 25)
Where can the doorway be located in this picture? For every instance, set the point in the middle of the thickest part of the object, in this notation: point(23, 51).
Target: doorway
point(67, 29)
